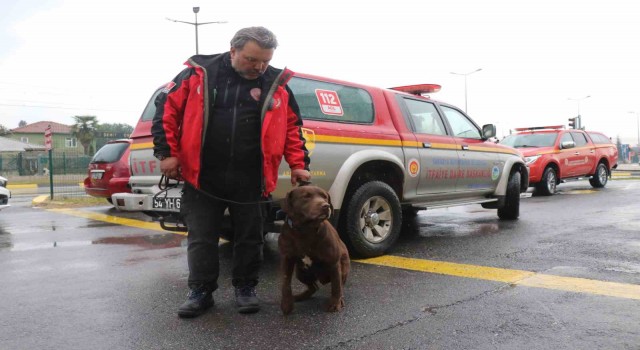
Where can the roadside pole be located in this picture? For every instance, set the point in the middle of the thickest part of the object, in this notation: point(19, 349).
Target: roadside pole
point(48, 134)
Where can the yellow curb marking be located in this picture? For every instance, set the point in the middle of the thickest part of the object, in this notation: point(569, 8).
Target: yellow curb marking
point(114, 219)
point(20, 186)
point(515, 277)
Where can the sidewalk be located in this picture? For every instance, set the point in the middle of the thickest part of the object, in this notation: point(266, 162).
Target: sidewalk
point(628, 167)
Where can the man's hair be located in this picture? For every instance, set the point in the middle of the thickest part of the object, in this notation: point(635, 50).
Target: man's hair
point(260, 35)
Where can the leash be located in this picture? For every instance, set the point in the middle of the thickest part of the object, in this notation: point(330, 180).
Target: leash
point(165, 185)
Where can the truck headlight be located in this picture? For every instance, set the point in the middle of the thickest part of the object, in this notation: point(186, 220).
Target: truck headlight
point(531, 159)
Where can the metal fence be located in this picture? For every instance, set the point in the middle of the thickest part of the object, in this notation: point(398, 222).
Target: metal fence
point(29, 172)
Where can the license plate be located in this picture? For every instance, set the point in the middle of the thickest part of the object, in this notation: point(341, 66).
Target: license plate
point(97, 175)
point(169, 203)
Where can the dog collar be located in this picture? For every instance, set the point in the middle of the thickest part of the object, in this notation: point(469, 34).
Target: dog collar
point(289, 222)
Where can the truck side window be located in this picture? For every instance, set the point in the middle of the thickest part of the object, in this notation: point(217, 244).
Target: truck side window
point(566, 137)
point(461, 125)
point(425, 117)
point(324, 101)
point(579, 139)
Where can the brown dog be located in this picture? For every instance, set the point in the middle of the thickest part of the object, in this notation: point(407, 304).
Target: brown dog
point(309, 243)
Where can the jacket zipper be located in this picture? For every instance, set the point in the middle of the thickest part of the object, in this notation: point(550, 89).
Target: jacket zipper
point(233, 121)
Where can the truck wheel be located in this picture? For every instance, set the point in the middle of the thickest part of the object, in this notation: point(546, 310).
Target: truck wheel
point(511, 208)
point(373, 219)
point(600, 178)
point(548, 183)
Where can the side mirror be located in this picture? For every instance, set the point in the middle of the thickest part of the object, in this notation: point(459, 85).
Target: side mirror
point(567, 144)
point(488, 131)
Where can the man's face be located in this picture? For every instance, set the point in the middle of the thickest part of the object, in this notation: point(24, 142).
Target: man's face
point(251, 61)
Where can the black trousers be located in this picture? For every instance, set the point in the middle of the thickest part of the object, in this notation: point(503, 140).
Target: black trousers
point(203, 216)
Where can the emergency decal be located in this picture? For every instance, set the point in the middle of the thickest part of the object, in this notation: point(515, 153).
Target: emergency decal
point(314, 173)
point(170, 85)
point(414, 167)
point(310, 139)
point(495, 173)
point(329, 102)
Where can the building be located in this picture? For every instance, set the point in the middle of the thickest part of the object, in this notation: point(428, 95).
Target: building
point(63, 140)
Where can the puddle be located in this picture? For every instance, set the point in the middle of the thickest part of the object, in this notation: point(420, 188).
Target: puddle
point(21, 247)
point(161, 241)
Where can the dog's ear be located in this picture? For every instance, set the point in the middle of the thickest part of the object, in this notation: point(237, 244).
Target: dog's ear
point(329, 200)
point(285, 202)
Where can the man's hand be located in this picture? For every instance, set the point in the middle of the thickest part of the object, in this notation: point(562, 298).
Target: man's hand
point(300, 175)
point(170, 167)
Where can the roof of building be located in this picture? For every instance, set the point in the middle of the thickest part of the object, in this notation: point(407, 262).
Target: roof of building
point(9, 145)
point(39, 127)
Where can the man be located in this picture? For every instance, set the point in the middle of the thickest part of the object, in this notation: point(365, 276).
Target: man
point(223, 125)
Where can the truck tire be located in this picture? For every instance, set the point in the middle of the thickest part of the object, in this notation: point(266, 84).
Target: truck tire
point(373, 220)
point(548, 183)
point(600, 178)
point(511, 208)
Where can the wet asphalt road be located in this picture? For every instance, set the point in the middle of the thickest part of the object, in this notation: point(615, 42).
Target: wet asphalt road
point(72, 282)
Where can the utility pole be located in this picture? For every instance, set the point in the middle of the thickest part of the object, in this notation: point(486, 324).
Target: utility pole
point(195, 24)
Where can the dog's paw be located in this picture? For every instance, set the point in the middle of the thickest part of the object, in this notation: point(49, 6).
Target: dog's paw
point(335, 305)
point(286, 307)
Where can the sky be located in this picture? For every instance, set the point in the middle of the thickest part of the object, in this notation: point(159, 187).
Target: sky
point(539, 60)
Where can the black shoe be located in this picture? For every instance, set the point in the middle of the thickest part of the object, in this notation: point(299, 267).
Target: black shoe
point(199, 301)
point(247, 300)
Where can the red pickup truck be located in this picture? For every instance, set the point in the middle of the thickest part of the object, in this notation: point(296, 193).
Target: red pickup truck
point(555, 154)
point(380, 153)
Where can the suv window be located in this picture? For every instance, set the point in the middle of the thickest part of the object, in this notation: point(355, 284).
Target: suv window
point(599, 138)
point(150, 110)
point(461, 125)
point(424, 117)
point(110, 152)
point(320, 100)
point(579, 138)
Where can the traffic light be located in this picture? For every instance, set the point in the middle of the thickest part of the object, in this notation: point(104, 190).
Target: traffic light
point(574, 123)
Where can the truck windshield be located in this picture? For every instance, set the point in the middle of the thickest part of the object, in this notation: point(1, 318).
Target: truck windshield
point(530, 140)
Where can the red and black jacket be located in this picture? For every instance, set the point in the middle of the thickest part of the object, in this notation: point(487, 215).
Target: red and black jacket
point(182, 115)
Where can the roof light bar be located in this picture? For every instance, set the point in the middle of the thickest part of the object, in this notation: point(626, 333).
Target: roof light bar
point(554, 127)
point(418, 89)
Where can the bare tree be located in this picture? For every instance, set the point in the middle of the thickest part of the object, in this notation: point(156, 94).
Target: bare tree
point(4, 130)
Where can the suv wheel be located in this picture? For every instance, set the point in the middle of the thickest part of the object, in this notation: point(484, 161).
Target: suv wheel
point(601, 176)
point(547, 186)
point(372, 220)
point(511, 208)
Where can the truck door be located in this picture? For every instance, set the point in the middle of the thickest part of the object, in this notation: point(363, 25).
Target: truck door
point(436, 149)
point(567, 157)
point(584, 154)
point(480, 164)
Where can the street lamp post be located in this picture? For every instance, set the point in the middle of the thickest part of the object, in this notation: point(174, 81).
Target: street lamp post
point(578, 99)
point(579, 119)
point(465, 85)
point(195, 24)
